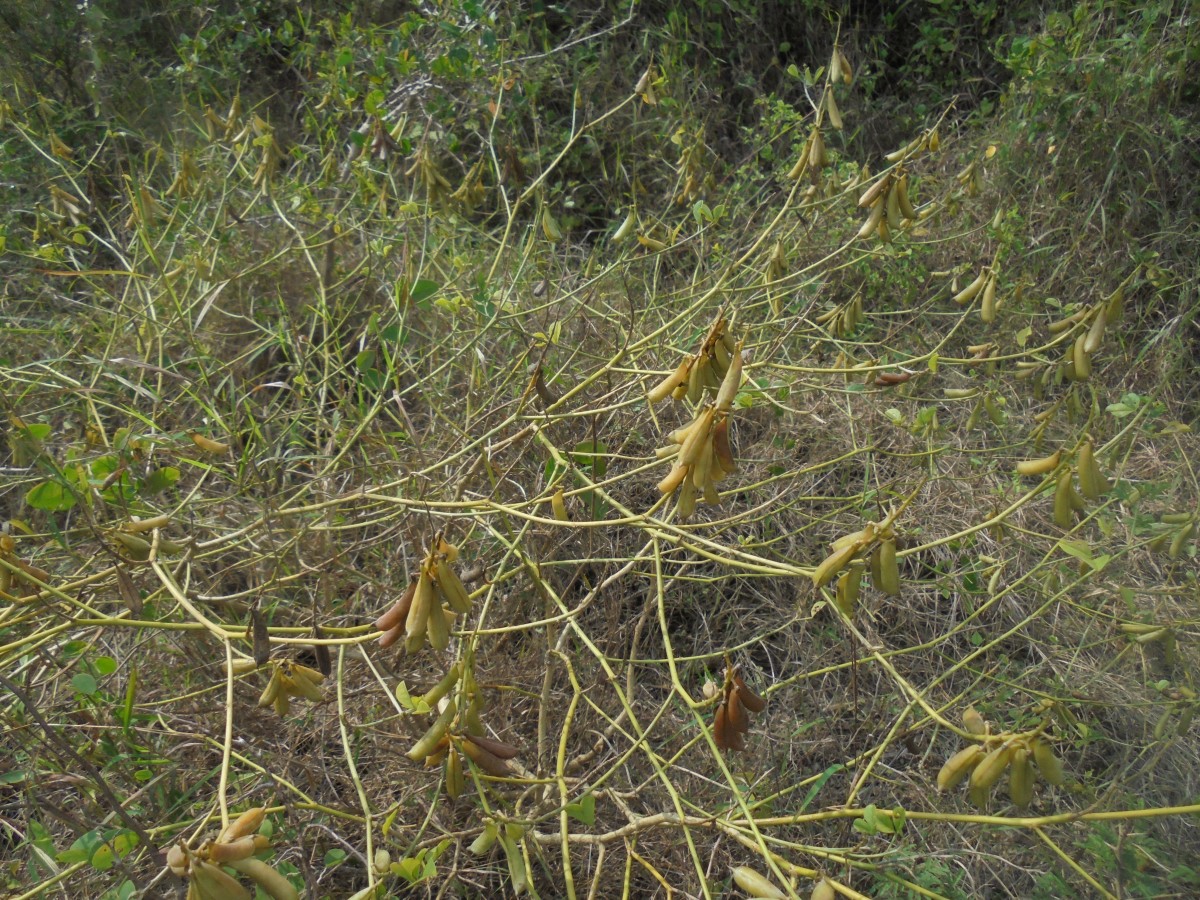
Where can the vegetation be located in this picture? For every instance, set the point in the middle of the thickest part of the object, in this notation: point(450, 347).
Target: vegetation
point(599, 450)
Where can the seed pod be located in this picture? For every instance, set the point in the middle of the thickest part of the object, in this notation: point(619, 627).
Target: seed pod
point(1020, 779)
point(901, 191)
point(550, 227)
point(274, 885)
point(1063, 324)
point(835, 114)
point(437, 628)
point(423, 602)
point(626, 227)
point(1179, 541)
point(874, 220)
point(261, 637)
point(987, 311)
point(486, 839)
point(244, 825)
point(832, 564)
point(141, 526)
point(756, 884)
point(1082, 359)
point(889, 570)
point(443, 687)
point(979, 797)
point(1092, 482)
point(974, 722)
point(1096, 332)
point(673, 479)
point(736, 713)
point(452, 588)
point(824, 890)
point(321, 652)
point(817, 157)
point(302, 684)
point(208, 445)
point(1040, 466)
point(991, 767)
point(723, 734)
point(486, 760)
point(1049, 765)
point(498, 749)
point(668, 385)
point(875, 191)
point(244, 666)
point(429, 741)
point(731, 383)
point(892, 210)
point(558, 505)
point(455, 782)
point(967, 294)
point(848, 589)
point(749, 698)
point(211, 883)
point(959, 766)
point(847, 70)
point(398, 613)
point(177, 860)
point(273, 688)
point(1064, 515)
point(136, 548)
point(225, 852)
point(722, 450)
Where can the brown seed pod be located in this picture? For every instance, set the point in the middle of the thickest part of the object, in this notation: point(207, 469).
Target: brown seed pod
point(736, 714)
point(399, 610)
point(721, 729)
point(496, 748)
point(750, 700)
point(486, 760)
point(261, 638)
point(321, 652)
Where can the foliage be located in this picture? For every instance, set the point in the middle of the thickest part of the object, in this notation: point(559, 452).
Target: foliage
point(327, 324)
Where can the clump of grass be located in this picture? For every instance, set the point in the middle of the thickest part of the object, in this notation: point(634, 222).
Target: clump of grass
point(274, 377)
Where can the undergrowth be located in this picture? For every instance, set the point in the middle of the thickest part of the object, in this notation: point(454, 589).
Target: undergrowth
point(400, 308)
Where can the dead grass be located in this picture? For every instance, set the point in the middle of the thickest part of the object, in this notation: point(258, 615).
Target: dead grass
point(368, 361)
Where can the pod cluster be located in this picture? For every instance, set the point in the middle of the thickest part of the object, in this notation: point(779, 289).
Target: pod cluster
point(700, 451)
point(288, 679)
point(234, 847)
point(732, 718)
point(850, 555)
point(984, 763)
point(434, 597)
point(706, 370)
point(458, 732)
point(889, 206)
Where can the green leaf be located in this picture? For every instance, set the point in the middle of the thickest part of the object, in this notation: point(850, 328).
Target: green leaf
point(374, 101)
point(820, 783)
point(84, 683)
point(410, 869)
point(423, 290)
point(50, 496)
point(82, 849)
point(334, 855)
point(365, 360)
point(584, 810)
point(591, 456)
point(160, 479)
point(105, 665)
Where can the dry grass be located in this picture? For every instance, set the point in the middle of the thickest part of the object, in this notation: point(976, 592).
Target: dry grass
point(366, 353)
